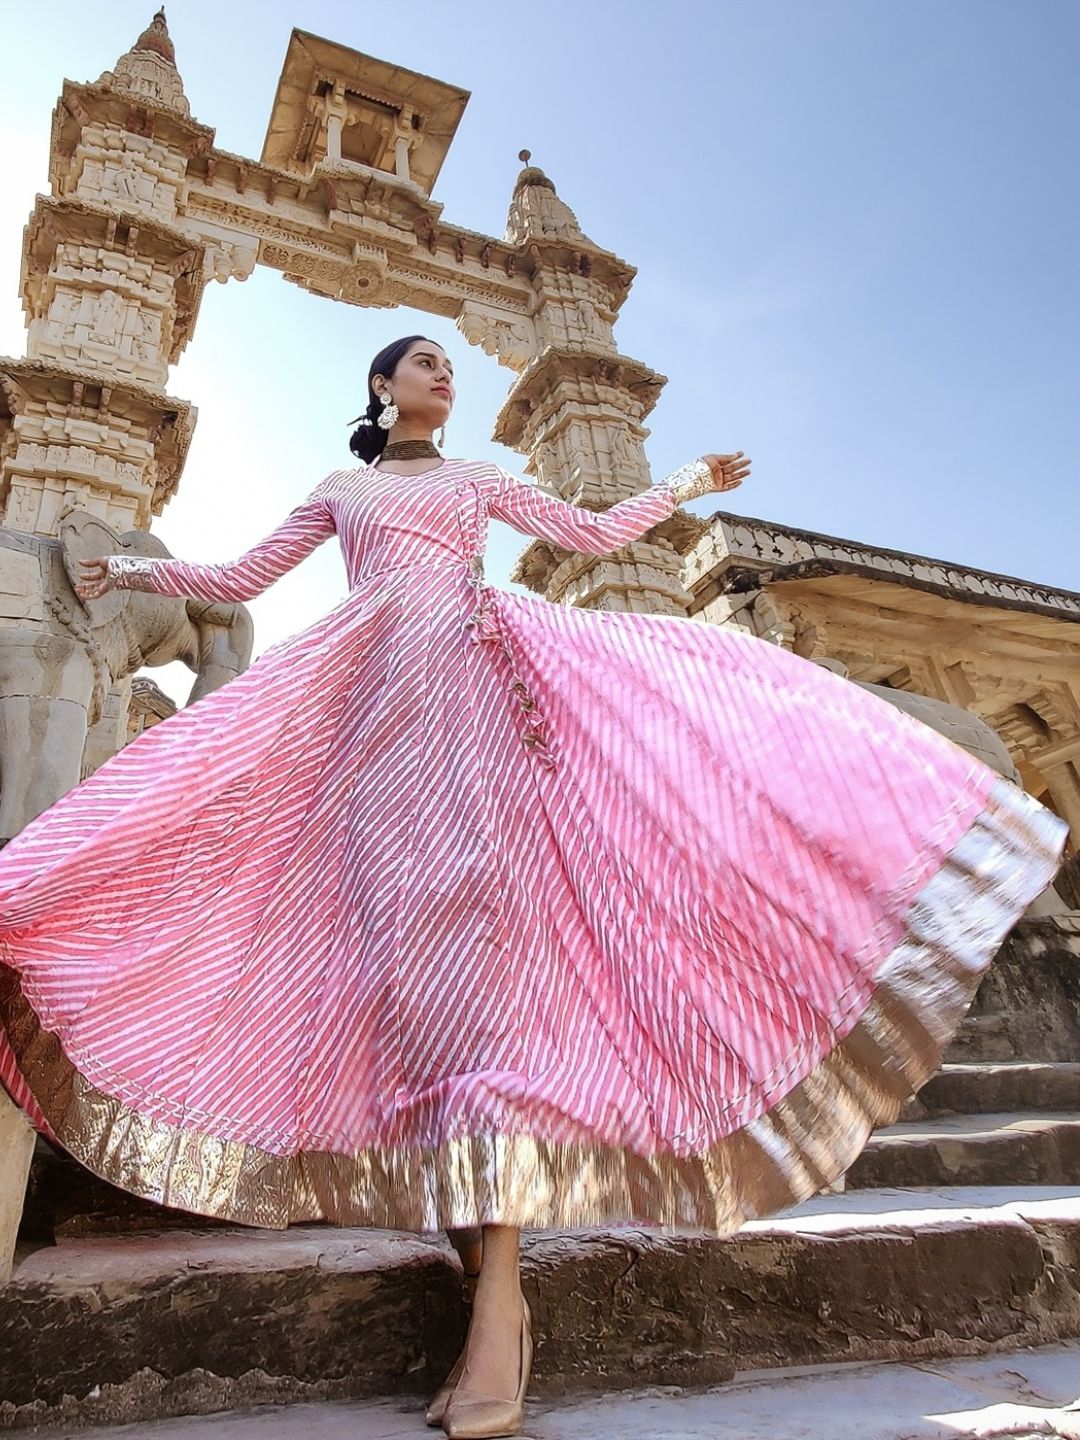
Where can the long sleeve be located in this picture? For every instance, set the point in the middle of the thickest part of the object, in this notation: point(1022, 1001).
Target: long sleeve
point(536, 513)
point(305, 528)
point(533, 511)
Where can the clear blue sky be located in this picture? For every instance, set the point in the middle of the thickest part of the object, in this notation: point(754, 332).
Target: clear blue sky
point(854, 221)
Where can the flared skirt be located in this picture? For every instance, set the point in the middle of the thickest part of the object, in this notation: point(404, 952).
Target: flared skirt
point(552, 918)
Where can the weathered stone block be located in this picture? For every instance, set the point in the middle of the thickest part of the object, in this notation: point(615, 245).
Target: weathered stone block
point(1028, 1005)
point(136, 1327)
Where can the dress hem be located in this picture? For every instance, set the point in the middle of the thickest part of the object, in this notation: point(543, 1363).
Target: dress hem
point(950, 934)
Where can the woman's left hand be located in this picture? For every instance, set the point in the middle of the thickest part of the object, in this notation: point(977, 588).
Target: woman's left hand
point(728, 471)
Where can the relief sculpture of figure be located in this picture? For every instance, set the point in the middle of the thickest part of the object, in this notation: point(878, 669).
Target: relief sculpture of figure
point(463, 910)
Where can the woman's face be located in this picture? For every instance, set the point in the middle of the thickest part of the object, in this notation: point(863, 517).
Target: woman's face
point(422, 385)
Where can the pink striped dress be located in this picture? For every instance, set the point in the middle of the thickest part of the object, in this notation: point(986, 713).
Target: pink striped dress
point(460, 906)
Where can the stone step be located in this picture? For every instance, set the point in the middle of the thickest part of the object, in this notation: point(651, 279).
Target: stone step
point(992, 1149)
point(1028, 1394)
point(115, 1329)
point(980, 1089)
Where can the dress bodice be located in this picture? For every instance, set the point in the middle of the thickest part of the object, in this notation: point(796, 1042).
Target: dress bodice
point(386, 521)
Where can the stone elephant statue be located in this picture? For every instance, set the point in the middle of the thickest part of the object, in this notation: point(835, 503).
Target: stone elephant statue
point(973, 734)
point(59, 655)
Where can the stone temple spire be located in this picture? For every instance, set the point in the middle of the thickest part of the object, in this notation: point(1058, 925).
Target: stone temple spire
point(537, 212)
point(149, 69)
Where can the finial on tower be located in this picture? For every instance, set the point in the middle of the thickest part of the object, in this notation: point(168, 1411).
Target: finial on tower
point(149, 69)
point(531, 175)
point(156, 37)
point(536, 210)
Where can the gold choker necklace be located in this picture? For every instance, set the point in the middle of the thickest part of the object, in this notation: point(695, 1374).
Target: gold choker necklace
point(410, 450)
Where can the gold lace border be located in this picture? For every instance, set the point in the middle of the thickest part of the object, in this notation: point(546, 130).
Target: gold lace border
point(951, 932)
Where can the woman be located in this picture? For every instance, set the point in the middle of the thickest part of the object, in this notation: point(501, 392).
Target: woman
point(460, 909)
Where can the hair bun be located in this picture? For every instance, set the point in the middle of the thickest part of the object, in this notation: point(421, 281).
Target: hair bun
point(368, 440)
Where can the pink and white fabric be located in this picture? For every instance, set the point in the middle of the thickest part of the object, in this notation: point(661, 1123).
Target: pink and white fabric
point(462, 906)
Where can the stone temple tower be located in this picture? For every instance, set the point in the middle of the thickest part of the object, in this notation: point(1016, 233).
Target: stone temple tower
point(91, 445)
point(111, 286)
point(577, 407)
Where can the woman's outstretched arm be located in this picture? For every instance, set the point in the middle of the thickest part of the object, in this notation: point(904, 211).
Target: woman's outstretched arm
point(306, 527)
point(535, 512)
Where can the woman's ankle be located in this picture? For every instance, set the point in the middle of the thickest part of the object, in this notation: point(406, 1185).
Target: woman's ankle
point(497, 1292)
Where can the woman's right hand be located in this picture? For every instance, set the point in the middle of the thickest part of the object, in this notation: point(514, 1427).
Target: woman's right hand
point(728, 471)
point(95, 580)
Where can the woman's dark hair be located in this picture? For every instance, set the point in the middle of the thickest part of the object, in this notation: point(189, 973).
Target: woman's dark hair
point(369, 438)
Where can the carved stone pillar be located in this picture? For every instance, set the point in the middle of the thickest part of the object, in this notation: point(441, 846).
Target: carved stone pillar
point(67, 438)
point(111, 286)
point(578, 406)
point(1064, 792)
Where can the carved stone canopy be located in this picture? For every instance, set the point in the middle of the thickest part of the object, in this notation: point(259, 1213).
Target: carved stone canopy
point(31, 389)
point(907, 603)
point(372, 110)
point(557, 377)
point(102, 231)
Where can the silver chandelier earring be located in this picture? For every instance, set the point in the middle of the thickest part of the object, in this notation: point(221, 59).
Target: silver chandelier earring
point(442, 438)
point(388, 419)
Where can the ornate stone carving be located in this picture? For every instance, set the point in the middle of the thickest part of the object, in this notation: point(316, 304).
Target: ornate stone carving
point(231, 259)
point(364, 280)
point(626, 451)
point(148, 70)
point(356, 195)
point(71, 656)
point(359, 280)
point(300, 262)
point(121, 455)
point(510, 339)
point(126, 171)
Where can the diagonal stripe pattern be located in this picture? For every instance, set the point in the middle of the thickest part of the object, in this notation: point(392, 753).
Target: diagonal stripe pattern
point(454, 862)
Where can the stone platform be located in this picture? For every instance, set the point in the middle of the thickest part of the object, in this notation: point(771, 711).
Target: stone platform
point(137, 1327)
point(1035, 1393)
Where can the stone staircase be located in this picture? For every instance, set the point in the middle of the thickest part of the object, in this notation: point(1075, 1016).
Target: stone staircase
point(1027, 1396)
point(957, 1233)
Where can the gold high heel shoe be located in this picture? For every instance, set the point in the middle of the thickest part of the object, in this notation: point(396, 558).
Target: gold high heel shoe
point(437, 1408)
point(484, 1417)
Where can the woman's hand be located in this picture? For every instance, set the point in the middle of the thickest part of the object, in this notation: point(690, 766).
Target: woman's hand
point(95, 580)
point(728, 471)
